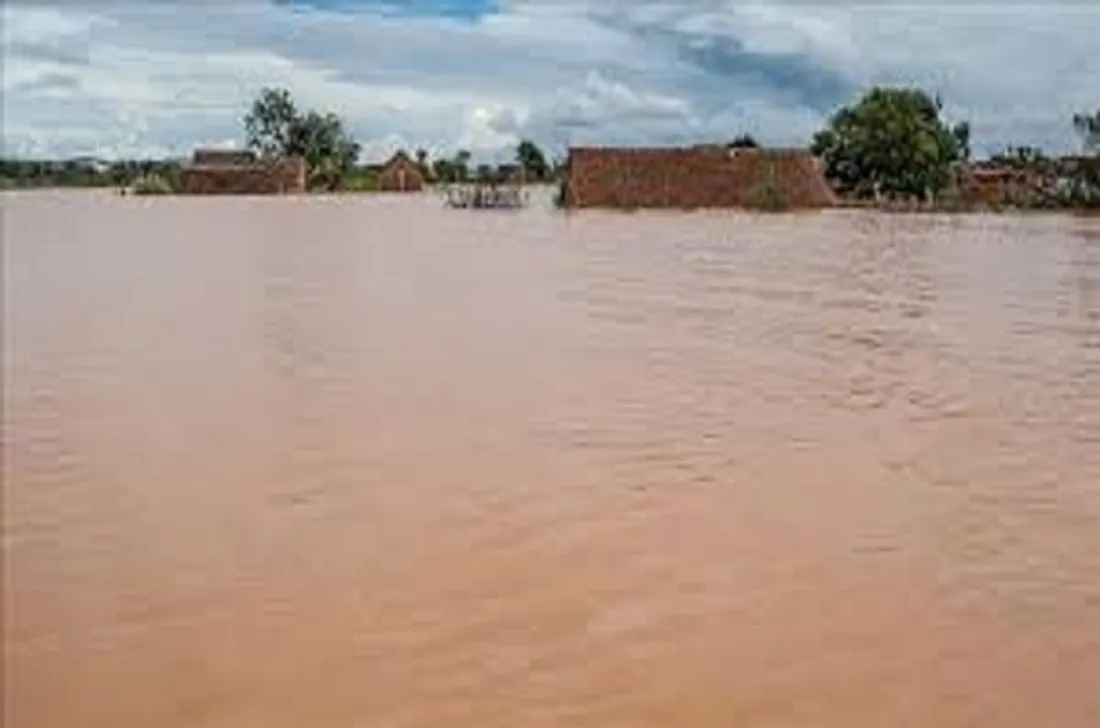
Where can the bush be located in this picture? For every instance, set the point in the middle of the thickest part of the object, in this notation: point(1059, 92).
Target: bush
point(365, 182)
point(561, 197)
point(151, 184)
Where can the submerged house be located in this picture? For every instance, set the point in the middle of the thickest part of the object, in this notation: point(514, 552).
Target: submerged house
point(240, 172)
point(700, 176)
point(400, 174)
point(993, 185)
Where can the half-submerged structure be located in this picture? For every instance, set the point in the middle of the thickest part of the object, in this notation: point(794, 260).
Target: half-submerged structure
point(400, 174)
point(240, 172)
point(701, 176)
point(486, 196)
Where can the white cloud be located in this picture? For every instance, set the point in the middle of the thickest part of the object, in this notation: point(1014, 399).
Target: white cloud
point(130, 78)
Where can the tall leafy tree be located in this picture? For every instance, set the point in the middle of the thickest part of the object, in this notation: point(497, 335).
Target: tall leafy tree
point(891, 142)
point(1021, 157)
point(1085, 172)
point(422, 162)
point(532, 160)
point(270, 123)
point(443, 170)
point(744, 141)
point(1088, 126)
point(275, 127)
point(461, 165)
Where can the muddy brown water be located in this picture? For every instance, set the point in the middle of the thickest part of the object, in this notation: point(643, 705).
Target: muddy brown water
point(370, 462)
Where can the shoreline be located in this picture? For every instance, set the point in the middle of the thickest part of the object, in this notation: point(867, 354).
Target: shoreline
point(438, 190)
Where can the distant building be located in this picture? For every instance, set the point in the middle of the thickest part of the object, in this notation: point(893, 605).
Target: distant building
point(239, 172)
point(700, 176)
point(401, 174)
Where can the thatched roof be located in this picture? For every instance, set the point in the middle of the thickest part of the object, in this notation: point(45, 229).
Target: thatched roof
point(698, 176)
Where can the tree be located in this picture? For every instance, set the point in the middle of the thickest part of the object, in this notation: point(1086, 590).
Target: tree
point(270, 124)
point(1020, 157)
point(422, 162)
point(1085, 172)
point(744, 141)
point(532, 160)
point(462, 165)
point(443, 170)
point(276, 128)
point(891, 142)
point(1088, 126)
point(485, 173)
point(961, 132)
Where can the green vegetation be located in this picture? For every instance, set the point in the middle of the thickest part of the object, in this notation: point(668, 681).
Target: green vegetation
point(532, 161)
point(275, 127)
point(151, 184)
point(745, 141)
point(450, 169)
point(561, 195)
point(1088, 126)
point(360, 180)
point(769, 195)
point(81, 173)
point(891, 144)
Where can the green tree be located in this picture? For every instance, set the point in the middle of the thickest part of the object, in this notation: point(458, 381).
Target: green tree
point(276, 128)
point(422, 162)
point(891, 142)
point(443, 170)
point(961, 132)
point(1020, 157)
point(744, 141)
point(270, 124)
point(1088, 126)
point(485, 173)
point(532, 160)
point(1084, 174)
point(462, 165)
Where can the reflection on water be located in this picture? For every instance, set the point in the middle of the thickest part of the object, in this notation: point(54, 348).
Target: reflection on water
point(370, 462)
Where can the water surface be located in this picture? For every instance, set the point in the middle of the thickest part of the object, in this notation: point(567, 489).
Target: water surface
point(370, 462)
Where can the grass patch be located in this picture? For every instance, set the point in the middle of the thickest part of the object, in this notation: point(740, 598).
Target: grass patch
point(151, 184)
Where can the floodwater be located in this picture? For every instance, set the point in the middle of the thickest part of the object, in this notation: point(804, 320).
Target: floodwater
point(371, 462)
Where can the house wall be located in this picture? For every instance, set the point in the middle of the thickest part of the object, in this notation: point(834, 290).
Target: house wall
point(284, 176)
point(697, 177)
point(391, 178)
point(995, 187)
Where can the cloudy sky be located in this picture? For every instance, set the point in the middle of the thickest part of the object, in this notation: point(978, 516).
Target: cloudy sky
point(157, 77)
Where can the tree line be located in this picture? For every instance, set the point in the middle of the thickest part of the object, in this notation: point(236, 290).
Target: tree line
point(83, 172)
point(892, 142)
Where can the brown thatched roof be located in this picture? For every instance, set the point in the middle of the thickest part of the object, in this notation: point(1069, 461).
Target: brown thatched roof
point(399, 157)
point(699, 176)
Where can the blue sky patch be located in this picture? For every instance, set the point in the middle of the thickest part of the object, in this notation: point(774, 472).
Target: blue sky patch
point(460, 9)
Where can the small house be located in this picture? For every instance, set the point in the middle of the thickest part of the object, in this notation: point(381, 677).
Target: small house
point(995, 185)
point(239, 172)
point(698, 176)
point(401, 174)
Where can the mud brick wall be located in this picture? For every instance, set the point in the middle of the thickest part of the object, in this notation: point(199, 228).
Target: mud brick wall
point(1000, 187)
point(281, 177)
point(401, 175)
point(695, 177)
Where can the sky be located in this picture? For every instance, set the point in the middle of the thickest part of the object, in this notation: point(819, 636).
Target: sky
point(156, 78)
